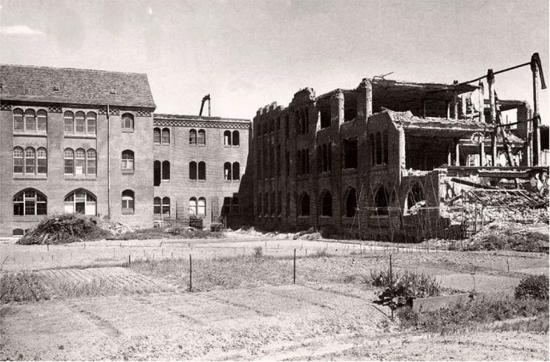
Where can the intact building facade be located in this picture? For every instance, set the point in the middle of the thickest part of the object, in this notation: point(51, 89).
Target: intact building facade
point(88, 142)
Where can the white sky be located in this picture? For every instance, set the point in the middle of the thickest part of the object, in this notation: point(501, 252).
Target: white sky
point(249, 53)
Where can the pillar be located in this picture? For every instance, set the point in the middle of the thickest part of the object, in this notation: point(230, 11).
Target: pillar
point(481, 153)
point(492, 116)
point(457, 153)
point(536, 128)
point(337, 108)
point(481, 102)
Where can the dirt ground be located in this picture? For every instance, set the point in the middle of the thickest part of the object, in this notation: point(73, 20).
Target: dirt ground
point(117, 312)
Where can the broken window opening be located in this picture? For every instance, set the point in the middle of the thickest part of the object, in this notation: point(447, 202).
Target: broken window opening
point(350, 153)
point(350, 107)
point(326, 204)
point(351, 202)
point(381, 201)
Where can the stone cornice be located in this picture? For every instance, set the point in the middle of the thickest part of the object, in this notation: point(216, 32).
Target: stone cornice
point(163, 122)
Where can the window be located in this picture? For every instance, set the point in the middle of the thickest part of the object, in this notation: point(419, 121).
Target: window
point(351, 202)
point(325, 158)
point(325, 116)
point(192, 137)
point(227, 171)
point(192, 206)
point(80, 202)
point(127, 161)
point(165, 170)
point(41, 161)
point(414, 197)
point(128, 202)
point(80, 122)
point(201, 209)
point(30, 160)
point(302, 157)
point(350, 107)
point(378, 148)
point(29, 202)
point(156, 136)
point(350, 153)
point(326, 204)
point(156, 206)
point(227, 138)
point(202, 170)
point(127, 122)
point(201, 138)
point(156, 173)
point(68, 118)
point(18, 160)
point(42, 120)
point(91, 122)
point(381, 201)
point(69, 161)
point(385, 147)
point(287, 126)
point(91, 162)
point(287, 208)
point(80, 162)
point(18, 123)
point(30, 120)
point(303, 207)
point(236, 171)
point(165, 136)
point(372, 149)
point(166, 206)
point(236, 140)
point(192, 170)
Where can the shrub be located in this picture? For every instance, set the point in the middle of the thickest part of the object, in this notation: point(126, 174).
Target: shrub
point(258, 253)
point(533, 286)
point(216, 227)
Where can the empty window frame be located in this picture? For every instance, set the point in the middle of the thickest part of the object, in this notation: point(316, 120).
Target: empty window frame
point(202, 170)
point(350, 202)
point(326, 203)
point(303, 205)
point(165, 170)
point(156, 173)
point(350, 153)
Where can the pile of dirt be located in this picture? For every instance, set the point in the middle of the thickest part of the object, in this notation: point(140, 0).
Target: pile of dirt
point(508, 236)
point(65, 229)
point(114, 227)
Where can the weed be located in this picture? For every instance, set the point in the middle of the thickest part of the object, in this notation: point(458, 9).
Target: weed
point(533, 286)
point(258, 253)
point(21, 287)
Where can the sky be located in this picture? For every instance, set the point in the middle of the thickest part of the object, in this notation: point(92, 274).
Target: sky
point(247, 54)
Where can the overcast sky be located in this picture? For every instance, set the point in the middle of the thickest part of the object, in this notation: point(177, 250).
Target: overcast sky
point(249, 53)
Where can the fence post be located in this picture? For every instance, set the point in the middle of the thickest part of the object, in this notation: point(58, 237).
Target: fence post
point(391, 271)
point(129, 260)
point(294, 269)
point(190, 273)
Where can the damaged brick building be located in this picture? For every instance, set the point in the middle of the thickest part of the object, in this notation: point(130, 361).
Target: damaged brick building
point(389, 159)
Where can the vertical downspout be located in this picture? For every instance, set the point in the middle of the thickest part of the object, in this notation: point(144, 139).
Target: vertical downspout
point(108, 165)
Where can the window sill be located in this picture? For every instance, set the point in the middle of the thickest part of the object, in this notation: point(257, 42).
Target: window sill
point(165, 180)
point(30, 177)
point(127, 172)
point(127, 130)
point(81, 136)
point(31, 134)
point(80, 177)
point(127, 212)
point(303, 216)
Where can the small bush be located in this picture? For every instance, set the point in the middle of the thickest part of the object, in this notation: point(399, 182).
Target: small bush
point(533, 286)
point(258, 253)
point(420, 285)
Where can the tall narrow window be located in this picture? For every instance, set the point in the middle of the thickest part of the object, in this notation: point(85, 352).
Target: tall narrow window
point(42, 160)
point(378, 148)
point(127, 161)
point(42, 120)
point(350, 153)
point(156, 173)
point(69, 161)
point(127, 202)
point(304, 205)
point(372, 147)
point(80, 123)
point(166, 206)
point(30, 120)
point(236, 171)
point(156, 206)
point(91, 162)
point(201, 137)
point(385, 147)
point(18, 123)
point(192, 137)
point(236, 138)
point(165, 136)
point(192, 170)
point(68, 118)
point(91, 123)
point(127, 122)
point(30, 160)
point(192, 206)
point(80, 162)
point(227, 138)
point(18, 160)
point(227, 171)
point(165, 170)
point(202, 170)
point(156, 135)
point(351, 203)
point(201, 208)
point(381, 201)
point(326, 204)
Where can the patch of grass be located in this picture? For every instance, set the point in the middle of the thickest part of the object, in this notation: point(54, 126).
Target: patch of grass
point(537, 325)
point(21, 287)
point(169, 233)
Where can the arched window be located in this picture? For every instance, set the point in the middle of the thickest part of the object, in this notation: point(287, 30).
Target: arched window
point(157, 206)
point(201, 207)
point(202, 170)
point(127, 161)
point(236, 138)
point(372, 150)
point(192, 137)
point(165, 136)
point(385, 147)
point(29, 202)
point(166, 206)
point(91, 162)
point(227, 138)
point(201, 139)
point(156, 173)
point(414, 196)
point(30, 160)
point(80, 162)
point(68, 118)
point(192, 206)
point(165, 170)
point(41, 120)
point(378, 148)
point(236, 171)
point(192, 170)
point(80, 122)
point(303, 207)
point(128, 204)
point(69, 161)
point(80, 202)
point(91, 122)
point(381, 201)
point(127, 122)
point(227, 171)
point(18, 160)
point(326, 204)
point(156, 135)
point(30, 120)
point(18, 123)
point(351, 202)
point(41, 161)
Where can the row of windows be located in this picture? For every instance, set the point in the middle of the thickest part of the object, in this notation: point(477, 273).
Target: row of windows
point(197, 206)
point(30, 161)
point(196, 137)
point(80, 123)
point(29, 121)
point(80, 162)
point(379, 148)
point(197, 171)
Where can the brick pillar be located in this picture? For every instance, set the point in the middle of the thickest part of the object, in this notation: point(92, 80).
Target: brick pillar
point(337, 108)
point(364, 99)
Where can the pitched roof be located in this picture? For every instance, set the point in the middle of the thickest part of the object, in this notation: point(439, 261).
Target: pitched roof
point(75, 86)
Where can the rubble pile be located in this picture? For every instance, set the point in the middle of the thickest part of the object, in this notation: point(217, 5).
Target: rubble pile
point(508, 236)
point(114, 227)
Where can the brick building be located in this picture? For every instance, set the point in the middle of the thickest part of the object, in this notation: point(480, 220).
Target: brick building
point(87, 141)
